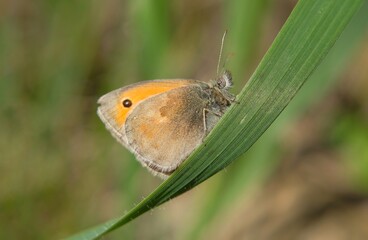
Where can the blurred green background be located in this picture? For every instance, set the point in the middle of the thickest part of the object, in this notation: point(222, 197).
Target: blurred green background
point(62, 172)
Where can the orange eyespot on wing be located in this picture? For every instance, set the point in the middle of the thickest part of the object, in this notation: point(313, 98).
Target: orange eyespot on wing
point(116, 106)
point(127, 103)
point(130, 96)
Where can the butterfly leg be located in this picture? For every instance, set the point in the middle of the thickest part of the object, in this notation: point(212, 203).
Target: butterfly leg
point(205, 116)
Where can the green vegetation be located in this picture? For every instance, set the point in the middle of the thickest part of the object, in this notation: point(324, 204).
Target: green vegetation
point(62, 172)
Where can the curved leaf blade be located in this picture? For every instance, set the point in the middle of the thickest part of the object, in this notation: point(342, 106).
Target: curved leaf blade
point(302, 43)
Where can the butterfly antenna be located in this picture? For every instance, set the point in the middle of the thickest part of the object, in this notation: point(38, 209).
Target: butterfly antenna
point(220, 55)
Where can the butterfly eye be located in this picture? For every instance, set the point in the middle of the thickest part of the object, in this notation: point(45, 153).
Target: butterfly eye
point(127, 103)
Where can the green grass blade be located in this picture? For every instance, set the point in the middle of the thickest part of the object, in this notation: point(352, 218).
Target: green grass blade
point(243, 174)
point(246, 18)
point(302, 43)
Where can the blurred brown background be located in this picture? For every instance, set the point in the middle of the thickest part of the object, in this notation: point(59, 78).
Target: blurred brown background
point(61, 171)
